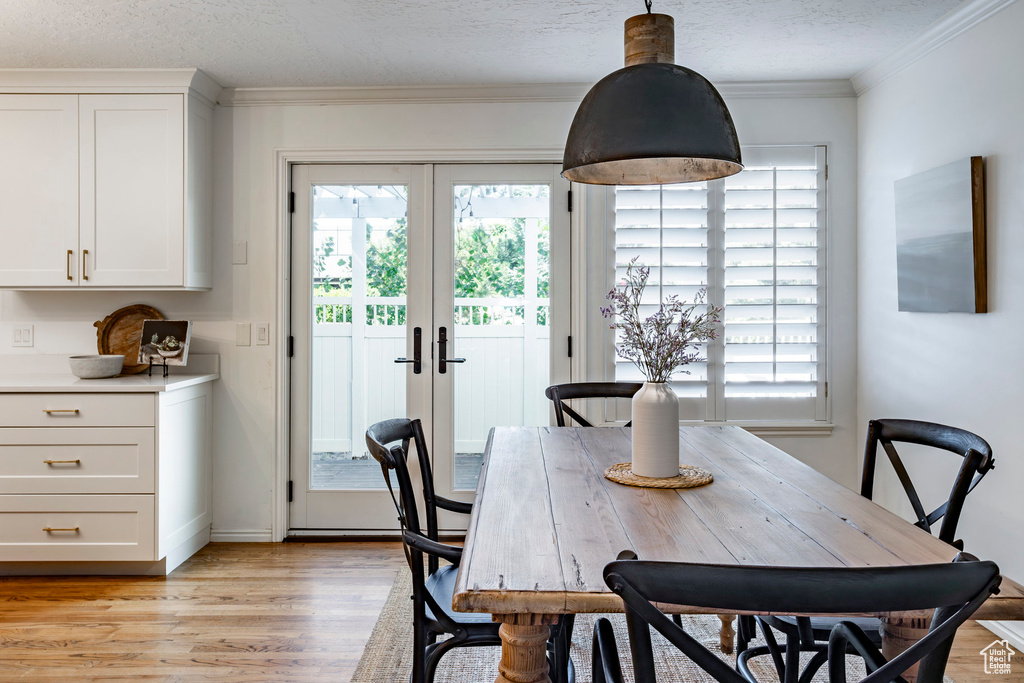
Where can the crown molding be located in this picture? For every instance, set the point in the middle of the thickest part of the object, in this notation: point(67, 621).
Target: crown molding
point(110, 81)
point(944, 30)
point(418, 155)
point(836, 87)
point(428, 94)
point(541, 92)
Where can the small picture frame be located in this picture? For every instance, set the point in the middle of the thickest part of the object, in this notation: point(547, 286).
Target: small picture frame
point(165, 342)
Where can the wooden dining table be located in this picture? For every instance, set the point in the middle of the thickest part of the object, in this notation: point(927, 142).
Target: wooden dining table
point(546, 522)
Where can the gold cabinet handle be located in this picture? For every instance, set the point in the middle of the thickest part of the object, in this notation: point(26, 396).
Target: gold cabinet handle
point(51, 529)
point(51, 411)
point(63, 462)
point(69, 265)
point(85, 252)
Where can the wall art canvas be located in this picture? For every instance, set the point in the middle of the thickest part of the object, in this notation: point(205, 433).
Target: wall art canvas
point(165, 342)
point(940, 239)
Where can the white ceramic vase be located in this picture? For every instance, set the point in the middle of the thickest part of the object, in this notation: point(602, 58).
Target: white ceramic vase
point(655, 431)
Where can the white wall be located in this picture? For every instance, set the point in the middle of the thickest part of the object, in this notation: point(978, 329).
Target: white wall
point(964, 99)
point(247, 140)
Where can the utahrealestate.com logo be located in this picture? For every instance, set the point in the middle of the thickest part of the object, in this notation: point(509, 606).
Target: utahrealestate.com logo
point(997, 657)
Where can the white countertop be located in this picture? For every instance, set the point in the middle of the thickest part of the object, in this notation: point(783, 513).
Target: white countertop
point(141, 383)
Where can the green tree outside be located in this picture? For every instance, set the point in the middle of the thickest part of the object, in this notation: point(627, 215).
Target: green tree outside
point(489, 263)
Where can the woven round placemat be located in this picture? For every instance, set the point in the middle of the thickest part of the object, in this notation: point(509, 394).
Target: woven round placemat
point(689, 477)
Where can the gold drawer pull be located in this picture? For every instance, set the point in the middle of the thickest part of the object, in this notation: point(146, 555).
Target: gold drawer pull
point(85, 254)
point(50, 411)
point(69, 265)
point(51, 529)
point(63, 462)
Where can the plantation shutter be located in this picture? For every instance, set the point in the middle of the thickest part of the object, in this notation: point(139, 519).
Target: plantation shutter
point(666, 228)
point(774, 277)
point(757, 240)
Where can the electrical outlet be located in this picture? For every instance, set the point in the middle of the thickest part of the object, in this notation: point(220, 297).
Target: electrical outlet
point(262, 334)
point(243, 334)
point(22, 335)
point(239, 252)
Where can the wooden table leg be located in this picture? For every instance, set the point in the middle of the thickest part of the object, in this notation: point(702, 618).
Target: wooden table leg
point(727, 635)
point(524, 639)
point(899, 633)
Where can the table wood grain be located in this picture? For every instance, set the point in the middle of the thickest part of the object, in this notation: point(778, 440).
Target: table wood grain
point(546, 521)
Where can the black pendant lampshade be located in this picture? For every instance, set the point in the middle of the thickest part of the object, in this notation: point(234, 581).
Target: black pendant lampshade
point(652, 122)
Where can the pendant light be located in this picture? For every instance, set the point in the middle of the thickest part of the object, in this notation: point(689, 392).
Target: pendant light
point(652, 122)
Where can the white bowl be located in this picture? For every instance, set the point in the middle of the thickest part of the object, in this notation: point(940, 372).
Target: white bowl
point(96, 367)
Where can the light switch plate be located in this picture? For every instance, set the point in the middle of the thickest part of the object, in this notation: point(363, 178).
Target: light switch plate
point(262, 334)
point(243, 334)
point(239, 252)
point(22, 335)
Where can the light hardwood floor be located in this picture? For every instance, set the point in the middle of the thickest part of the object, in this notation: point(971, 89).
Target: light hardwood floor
point(239, 612)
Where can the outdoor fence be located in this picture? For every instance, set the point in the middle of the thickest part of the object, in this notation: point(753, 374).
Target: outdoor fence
point(356, 382)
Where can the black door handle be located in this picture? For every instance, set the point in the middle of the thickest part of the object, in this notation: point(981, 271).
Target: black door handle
point(417, 355)
point(442, 351)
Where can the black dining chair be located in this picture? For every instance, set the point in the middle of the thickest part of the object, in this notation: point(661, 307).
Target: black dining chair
point(433, 588)
point(954, 591)
point(812, 635)
point(560, 393)
point(977, 461)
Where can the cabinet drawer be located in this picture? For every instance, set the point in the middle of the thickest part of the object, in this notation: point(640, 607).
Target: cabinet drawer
point(77, 410)
point(115, 460)
point(77, 528)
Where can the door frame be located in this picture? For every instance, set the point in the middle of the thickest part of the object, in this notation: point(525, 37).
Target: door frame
point(284, 159)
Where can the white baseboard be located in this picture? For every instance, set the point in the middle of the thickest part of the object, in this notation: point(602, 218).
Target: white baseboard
point(158, 568)
point(1011, 631)
point(187, 549)
point(241, 536)
point(346, 533)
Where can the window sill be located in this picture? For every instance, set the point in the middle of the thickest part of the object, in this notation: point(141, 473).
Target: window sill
point(765, 428)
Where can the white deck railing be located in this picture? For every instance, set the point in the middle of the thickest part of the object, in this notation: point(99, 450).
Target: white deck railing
point(356, 382)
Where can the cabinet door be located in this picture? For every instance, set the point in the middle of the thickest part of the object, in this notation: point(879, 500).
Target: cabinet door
point(132, 208)
point(39, 190)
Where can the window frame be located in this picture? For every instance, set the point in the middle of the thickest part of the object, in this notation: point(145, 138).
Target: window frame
point(594, 235)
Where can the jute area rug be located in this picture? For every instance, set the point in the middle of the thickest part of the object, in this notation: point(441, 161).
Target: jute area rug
point(388, 654)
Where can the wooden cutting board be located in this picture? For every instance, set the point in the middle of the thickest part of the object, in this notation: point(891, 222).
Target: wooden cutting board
point(120, 333)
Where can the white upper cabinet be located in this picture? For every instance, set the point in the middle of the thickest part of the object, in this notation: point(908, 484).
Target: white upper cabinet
point(105, 189)
point(39, 190)
point(133, 192)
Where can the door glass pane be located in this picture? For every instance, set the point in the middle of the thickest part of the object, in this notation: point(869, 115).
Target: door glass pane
point(359, 309)
point(501, 315)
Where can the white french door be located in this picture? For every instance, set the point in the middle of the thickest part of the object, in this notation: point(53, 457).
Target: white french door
point(463, 266)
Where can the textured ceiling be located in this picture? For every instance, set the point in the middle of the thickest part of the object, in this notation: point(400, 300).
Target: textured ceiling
point(243, 43)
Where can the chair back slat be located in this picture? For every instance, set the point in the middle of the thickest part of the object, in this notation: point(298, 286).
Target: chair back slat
point(560, 393)
point(908, 485)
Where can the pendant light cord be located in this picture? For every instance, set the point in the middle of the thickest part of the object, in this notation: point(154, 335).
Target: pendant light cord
point(648, 3)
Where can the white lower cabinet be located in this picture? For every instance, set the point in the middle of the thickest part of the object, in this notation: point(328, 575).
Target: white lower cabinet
point(90, 480)
point(77, 528)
